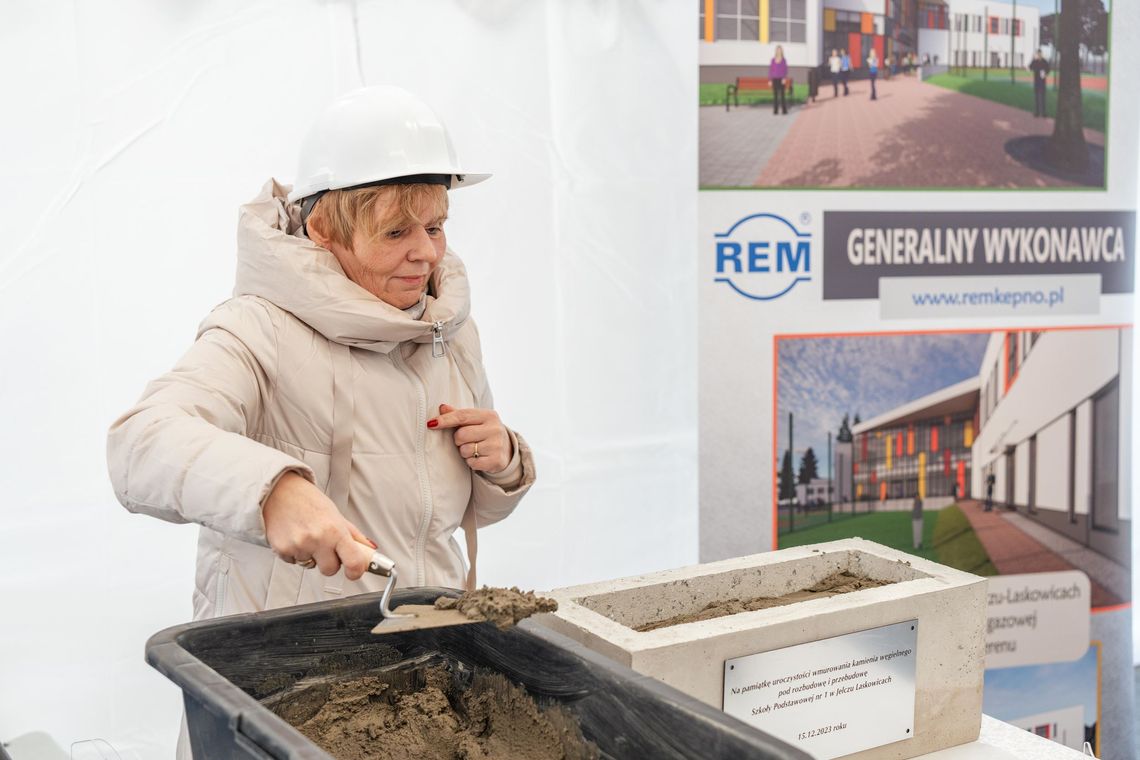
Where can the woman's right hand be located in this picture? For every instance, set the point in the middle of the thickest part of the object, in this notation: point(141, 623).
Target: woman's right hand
point(301, 523)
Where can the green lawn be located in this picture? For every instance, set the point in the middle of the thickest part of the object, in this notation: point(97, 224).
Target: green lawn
point(1020, 96)
point(946, 536)
point(713, 95)
point(1094, 81)
point(810, 519)
point(956, 545)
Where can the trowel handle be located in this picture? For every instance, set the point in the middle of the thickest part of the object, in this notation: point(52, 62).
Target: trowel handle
point(381, 564)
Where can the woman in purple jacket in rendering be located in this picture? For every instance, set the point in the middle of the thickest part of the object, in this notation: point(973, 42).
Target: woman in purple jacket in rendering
point(778, 76)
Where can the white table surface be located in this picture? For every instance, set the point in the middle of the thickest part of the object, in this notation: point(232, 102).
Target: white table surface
point(1001, 741)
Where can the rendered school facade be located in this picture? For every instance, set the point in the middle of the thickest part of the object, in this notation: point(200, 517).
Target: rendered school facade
point(978, 33)
point(1055, 414)
point(920, 449)
point(1048, 417)
point(738, 38)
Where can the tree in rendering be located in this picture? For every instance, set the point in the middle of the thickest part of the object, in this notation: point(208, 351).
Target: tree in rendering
point(1066, 148)
point(845, 430)
point(1094, 28)
point(787, 478)
point(1045, 26)
point(809, 467)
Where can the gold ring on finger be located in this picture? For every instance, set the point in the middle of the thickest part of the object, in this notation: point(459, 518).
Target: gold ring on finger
point(476, 454)
point(308, 564)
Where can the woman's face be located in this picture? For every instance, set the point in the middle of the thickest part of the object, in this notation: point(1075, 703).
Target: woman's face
point(395, 263)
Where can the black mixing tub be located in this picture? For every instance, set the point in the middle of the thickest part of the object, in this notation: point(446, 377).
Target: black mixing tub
point(228, 667)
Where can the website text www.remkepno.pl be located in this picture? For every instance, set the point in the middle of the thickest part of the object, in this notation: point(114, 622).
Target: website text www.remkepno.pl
point(1011, 298)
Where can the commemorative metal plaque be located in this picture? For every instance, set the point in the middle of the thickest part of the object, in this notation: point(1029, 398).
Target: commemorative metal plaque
point(831, 697)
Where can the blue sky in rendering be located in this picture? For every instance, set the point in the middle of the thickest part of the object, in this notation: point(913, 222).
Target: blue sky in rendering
point(821, 379)
point(1046, 6)
point(1012, 693)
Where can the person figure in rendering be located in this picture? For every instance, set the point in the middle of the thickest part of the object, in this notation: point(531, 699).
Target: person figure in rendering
point(873, 70)
point(990, 480)
point(835, 64)
point(916, 522)
point(778, 76)
point(1040, 68)
point(844, 69)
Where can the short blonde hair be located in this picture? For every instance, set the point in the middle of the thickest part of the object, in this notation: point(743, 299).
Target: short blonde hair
point(339, 213)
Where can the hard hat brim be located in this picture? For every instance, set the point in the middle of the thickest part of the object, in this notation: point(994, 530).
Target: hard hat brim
point(465, 179)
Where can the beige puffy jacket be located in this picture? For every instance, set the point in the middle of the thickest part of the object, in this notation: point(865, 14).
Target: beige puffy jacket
point(305, 371)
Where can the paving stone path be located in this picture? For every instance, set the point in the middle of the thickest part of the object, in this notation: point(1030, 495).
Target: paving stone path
point(1013, 550)
point(737, 144)
point(915, 135)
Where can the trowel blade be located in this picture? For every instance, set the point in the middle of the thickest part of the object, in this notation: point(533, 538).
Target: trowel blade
point(426, 616)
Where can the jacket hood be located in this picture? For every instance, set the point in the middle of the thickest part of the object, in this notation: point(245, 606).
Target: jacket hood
point(278, 263)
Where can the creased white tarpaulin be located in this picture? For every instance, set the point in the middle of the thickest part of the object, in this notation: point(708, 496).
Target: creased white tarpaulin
point(135, 129)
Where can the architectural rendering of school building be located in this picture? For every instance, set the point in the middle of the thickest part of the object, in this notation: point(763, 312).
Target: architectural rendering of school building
point(922, 449)
point(739, 37)
point(1054, 411)
point(1046, 417)
point(978, 33)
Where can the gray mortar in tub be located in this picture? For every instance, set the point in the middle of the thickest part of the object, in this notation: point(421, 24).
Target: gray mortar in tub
point(434, 708)
point(439, 711)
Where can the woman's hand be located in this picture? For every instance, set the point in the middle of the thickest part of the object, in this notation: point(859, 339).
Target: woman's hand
point(303, 524)
point(480, 435)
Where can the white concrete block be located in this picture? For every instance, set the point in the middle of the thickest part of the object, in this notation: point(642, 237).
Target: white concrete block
point(949, 605)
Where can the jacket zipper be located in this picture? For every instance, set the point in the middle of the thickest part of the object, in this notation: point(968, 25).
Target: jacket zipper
point(438, 347)
point(421, 462)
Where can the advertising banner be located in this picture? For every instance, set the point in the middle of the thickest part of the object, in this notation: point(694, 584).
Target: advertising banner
point(916, 277)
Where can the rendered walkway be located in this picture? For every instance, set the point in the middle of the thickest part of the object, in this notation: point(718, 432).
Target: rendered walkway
point(1013, 550)
point(915, 135)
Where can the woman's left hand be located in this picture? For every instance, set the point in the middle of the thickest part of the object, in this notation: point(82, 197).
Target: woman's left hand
point(480, 435)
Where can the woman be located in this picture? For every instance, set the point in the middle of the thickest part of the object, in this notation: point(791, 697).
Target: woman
point(844, 69)
point(834, 63)
point(873, 70)
point(338, 402)
point(778, 76)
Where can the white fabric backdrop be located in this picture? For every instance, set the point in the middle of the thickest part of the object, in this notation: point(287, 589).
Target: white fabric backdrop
point(132, 131)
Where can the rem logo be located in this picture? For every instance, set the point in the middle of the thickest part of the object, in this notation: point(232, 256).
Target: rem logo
point(763, 256)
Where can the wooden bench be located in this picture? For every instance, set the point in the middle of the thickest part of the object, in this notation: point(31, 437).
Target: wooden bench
point(752, 84)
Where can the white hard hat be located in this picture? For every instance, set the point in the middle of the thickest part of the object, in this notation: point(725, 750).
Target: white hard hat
point(376, 136)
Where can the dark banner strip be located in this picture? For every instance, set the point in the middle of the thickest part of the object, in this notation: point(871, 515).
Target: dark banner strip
point(859, 247)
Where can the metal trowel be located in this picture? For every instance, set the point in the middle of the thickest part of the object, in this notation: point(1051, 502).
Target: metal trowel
point(408, 617)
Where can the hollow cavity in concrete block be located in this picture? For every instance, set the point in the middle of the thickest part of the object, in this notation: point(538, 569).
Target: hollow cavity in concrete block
point(948, 604)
